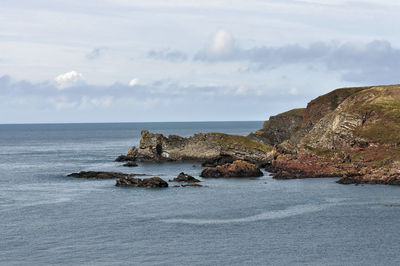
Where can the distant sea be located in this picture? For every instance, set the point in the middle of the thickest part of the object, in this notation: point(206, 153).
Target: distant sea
point(47, 218)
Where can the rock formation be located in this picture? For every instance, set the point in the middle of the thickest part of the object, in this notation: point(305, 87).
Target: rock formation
point(182, 177)
point(352, 133)
point(102, 175)
point(280, 127)
point(153, 182)
point(235, 169)
point(124, 158)
point(200, 147)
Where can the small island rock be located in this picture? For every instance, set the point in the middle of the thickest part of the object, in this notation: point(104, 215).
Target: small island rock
point(182, 177)
point(152, 182)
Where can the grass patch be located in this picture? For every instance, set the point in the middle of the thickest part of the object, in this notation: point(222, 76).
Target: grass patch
point(385, 124)
point(321, 152)
point(236, 140)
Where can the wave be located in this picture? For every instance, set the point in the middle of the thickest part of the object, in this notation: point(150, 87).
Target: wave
point(269, 215)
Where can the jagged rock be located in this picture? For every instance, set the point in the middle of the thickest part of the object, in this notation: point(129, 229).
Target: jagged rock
point(153, 182)
point(130, 164)
point(182, 177)
point(102, 175)
point(200, 147)
point(125, 158)
point(235, 169)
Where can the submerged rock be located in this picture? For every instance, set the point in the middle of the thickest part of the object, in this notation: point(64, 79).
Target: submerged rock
point(189, 185)
point(236, 169)
point(102, 175)
point(182, 177)
point(130, 164)
point(152, 182)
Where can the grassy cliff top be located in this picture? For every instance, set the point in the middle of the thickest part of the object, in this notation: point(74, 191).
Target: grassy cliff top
point(382, 114)
point(227, 140)
point(294, 112)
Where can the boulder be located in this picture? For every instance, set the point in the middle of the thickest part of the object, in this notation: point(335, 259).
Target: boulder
point(152, 182)
point(236, 169)
point(182, 177)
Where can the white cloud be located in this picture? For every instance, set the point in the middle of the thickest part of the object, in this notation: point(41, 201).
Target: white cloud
point(293, 91)
point(221, 43)
point(133, 82)
point(69, 79)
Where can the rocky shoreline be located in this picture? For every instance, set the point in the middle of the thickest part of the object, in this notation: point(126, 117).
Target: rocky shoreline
point(350, 133)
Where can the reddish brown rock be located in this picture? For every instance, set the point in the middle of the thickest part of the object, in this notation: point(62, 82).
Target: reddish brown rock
point(235, 169)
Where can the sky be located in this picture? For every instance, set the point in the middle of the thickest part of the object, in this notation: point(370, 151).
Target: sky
point(172, 60)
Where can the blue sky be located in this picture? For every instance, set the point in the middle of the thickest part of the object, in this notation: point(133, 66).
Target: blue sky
point(169, 60)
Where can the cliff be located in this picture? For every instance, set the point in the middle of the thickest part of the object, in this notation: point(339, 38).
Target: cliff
point(350, 132)
point(280, 127)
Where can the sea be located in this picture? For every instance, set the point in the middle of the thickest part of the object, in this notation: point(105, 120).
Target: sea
point(48, 218)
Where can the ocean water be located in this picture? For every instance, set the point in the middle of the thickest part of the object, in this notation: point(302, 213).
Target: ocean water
point(47, 218)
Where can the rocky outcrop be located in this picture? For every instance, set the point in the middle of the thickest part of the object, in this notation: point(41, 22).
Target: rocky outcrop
point(235, 169)
point(358, 138)
point(153, 182)
point(182, 177)
point(220, 160)
point(125, 158)
point(200, 147)
point(102, 175)
point(280, 127)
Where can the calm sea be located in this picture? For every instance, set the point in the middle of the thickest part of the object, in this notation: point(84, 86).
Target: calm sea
point(49, 218)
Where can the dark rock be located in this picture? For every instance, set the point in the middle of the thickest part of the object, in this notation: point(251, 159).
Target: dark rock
point(235, 169)
point(125, 158)
point(152, 182)
point(191, 185)
point(210, 172)
point(220, 160)
point(130, 164)
point(102, 175)
point(182, 177)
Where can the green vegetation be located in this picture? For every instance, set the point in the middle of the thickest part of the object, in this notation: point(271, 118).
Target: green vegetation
point(383, 117)
point(297, 111)
point(235, 140)
point(334, 98)
point(321, 152)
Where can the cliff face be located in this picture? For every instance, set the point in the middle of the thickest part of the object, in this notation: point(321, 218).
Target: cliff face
point(201, 146)
point(359, 136)
point(279, 127)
